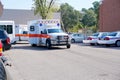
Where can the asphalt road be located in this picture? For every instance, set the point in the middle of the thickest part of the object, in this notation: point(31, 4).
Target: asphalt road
point(80, 62)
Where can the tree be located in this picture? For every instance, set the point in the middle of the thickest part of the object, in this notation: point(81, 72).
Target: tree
point(70, 17)
point(43, 7)
point(95, 8)
point(89, 18)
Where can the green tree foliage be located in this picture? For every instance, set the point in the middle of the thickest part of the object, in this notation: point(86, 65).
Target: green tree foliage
point(70, 16)
point(95, 8)
point(89, 18)
point(43, 7)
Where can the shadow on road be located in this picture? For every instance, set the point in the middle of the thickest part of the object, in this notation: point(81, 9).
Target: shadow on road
point(37, 48)
point(100, 46)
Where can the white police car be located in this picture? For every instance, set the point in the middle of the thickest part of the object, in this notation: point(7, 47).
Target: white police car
point(112, 39)
point(92, 40)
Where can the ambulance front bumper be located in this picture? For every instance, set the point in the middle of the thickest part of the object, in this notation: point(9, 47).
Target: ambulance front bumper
point(59, 43)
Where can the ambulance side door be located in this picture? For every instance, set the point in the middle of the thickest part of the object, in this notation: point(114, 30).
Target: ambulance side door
point(44, 35)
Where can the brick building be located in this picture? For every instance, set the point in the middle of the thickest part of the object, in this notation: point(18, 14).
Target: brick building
point(109, 15)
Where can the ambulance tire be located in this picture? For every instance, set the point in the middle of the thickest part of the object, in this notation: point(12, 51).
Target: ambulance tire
point(33, 45)
point(48, 44)
point(3, 75)
point(68, 46)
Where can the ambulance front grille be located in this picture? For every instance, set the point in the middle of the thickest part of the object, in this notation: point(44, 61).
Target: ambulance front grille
point(62, 38)
point(59, 37)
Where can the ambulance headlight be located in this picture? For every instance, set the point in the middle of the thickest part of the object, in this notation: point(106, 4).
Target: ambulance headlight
point(53, 38)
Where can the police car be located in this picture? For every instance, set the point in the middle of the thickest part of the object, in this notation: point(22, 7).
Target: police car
point(112, 39)
point(92, 40)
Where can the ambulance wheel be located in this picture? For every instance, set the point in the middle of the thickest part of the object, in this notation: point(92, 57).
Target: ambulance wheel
point(48, 44)
point(68, 45)
point(33, 45)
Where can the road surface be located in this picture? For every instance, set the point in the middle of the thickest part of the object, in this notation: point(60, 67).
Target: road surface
point(80, 62)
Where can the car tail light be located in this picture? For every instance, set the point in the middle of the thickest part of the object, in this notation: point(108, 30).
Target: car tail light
point(106, 38)
point(0, 48)
point(89, 38)
point(8, 40)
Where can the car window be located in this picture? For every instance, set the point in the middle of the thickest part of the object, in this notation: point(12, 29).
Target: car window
point(54, 31)
point(119, 34)
point(45, 31)
point(80, 35)
point(95, 34)
point(113, 34)
point(2, 35)
point(74, 34)
point(104, 34)
point(25, 32)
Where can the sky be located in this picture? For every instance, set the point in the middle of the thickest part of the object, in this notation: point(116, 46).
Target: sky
point(27, 4)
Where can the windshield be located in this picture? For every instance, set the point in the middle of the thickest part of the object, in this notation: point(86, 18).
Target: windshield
point(112, 34)
point(54, 31)
point(96, 34)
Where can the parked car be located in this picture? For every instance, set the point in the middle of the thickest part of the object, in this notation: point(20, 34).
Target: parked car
point(92, 40)
point(3, 63)
point(5, 40)
point(76, 37)
point(112, 39)
point(2, 69)
point(2, 72)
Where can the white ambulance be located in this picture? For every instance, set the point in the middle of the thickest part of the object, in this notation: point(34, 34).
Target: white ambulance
point(9, 26)
point(21, 32)
point(47, 33)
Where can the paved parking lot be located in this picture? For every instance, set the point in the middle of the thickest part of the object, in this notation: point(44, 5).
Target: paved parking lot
point(80, 62)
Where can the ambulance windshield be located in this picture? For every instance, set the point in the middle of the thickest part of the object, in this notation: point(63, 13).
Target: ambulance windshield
point(54, 31)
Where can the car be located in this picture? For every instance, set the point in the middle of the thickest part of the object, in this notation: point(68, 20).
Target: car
point(112, 39)
point(2, 69)
point(2, 72)
point(76, 37)
point(4, 75)
point(5, 40)
point(92, 40)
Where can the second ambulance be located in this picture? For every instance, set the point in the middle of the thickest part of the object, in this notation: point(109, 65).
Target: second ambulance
point(47, 33)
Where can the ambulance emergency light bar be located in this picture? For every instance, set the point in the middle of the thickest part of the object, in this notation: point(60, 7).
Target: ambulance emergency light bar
point(50, 22)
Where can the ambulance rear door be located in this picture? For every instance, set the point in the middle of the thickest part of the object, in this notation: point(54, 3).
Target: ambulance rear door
point(33, 34)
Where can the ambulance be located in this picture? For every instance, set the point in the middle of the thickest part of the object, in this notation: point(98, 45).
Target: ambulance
point(47, 33)
point(21, 33)
point(9, 26)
